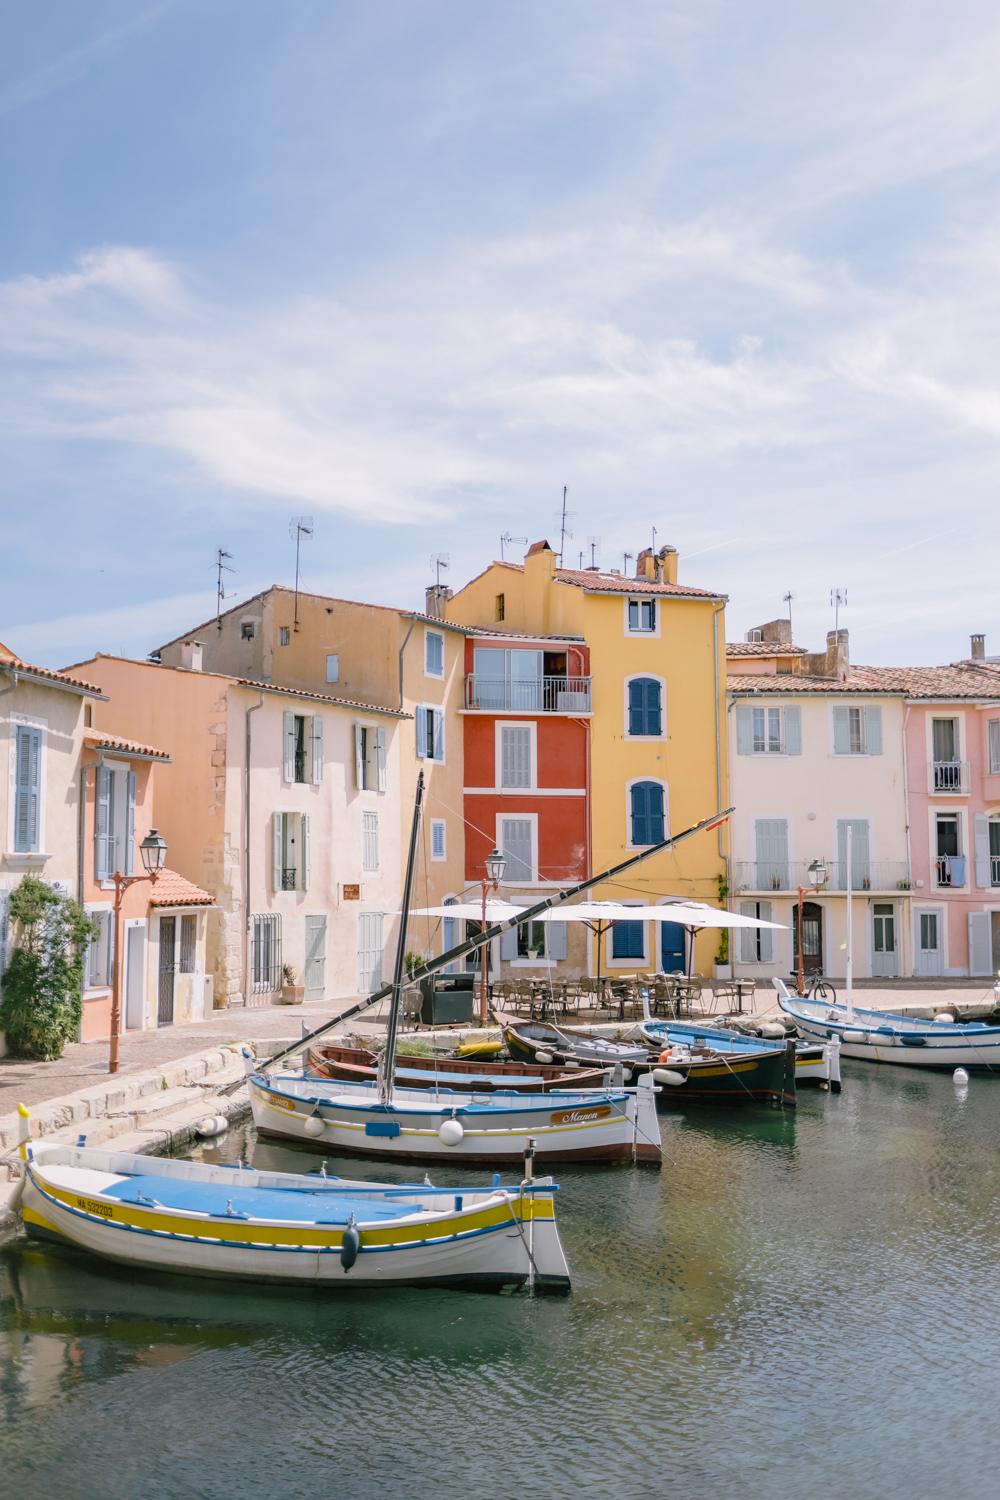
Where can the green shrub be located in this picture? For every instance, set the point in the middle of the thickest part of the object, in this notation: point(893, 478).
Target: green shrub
point(42, 1005)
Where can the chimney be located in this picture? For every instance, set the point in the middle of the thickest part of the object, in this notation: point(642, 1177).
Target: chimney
point(667, 557)
point(978, 648)
point(838, 656)
point(645, 565)
point(191, 655)
point(437, 597)
point(658, 567)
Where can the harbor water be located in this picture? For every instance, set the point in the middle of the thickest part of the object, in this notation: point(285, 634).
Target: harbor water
point(797, 1303)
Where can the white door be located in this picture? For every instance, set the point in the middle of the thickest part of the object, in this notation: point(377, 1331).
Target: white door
point(135, 977)
point(928, 938)
point(884, 965)
point(369, 951)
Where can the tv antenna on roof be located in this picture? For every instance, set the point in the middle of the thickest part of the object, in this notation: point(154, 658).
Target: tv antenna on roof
point(838, 597)
point(509, 541)
point(220, 592)
point(593, 542)
point(787, 599)
point(298, 527)
point(440, 560)
point(564, 531)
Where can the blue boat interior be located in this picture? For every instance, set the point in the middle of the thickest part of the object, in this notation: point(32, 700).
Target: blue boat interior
point(298, 1205)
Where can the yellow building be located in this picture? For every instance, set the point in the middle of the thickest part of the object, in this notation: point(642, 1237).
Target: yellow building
point(657, 741)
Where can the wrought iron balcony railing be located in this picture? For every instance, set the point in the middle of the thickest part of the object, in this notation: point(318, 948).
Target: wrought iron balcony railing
point(288, 879)
point(528, 695)
point(995, 869)
point(948, 776)
point(950, 870)
point(787, 875)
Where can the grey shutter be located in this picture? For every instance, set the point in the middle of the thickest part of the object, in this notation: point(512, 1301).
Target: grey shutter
point(102, 825)
point(748, 937)
point(652, 707)
point(873, 729)
point(317, 750)
point(288, 771)
point(764, 914)
point(422, 733)
point(744, 729)
point(359, 756)
point(438, 734)
point(860, 867)
point(380, 758)
point(980, 961)
point(508, 945)
point(29, 754)
point(982, 849)
point(304, 854)
point(130, 827)
point(516, 836)
point(555, 940)
point(515, 753)
point(793, 729)
point(772, 853)
point(994, 744)
point(277, 851)
point(841, 731)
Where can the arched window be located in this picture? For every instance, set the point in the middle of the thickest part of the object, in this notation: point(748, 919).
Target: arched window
point(647, 813)
point(644, 711)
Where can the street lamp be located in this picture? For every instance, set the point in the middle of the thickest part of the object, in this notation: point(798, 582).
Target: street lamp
point(495, 866)
point(817, 875)
point(154, 853)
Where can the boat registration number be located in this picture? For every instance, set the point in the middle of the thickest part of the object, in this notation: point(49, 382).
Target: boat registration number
point(582, 1116)
point(276, 1102)
point(90, 1207)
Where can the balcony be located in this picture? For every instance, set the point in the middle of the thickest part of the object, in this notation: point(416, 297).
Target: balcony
point(288, 879)
point(528, 695)
point(868, 875)
point(949, 871)
point(948, 777)
point(995, 869)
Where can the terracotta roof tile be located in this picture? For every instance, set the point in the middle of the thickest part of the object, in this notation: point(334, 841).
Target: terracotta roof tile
point(171, 889)
point(908, 682)
point(58, 679)
point(617, 583)
point(290, 692)
point(128, 747)
point(764, 648)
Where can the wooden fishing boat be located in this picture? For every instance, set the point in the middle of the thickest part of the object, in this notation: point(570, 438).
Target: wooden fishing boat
point(456, 1123)
point(817, 1064)
point(355, 1065)
point(202, 1220)
point(708, 1067)
point(882, 1037)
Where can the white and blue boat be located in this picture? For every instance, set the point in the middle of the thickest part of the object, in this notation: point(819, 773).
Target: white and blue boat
point(881, 1037)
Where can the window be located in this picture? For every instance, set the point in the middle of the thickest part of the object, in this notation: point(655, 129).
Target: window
point(515, 756)
point(993, 735)
point(189, 944)
point(772, 854)
point(114, 822)
point(644, 707)
point(500, 608)
point(369, 752)
point(945, 736)
point(928, 931)
point(994, 837)
point(642, 614)
point(950, 865)
point(290, 852)
point(755, 942)
point(857, 731)
point(430, 734)
point(439, 843)
point(303, 748)
point(300, 747)
point(248, 630)
point(266, 953)
point(333, 668)
point(433, 653)
point(647, 816)
point(27, 790)
point(628, 940)
point(284, 635)
point(509, 679)
point(369, 951)
point(516, 847)
point(369, 841)
point(768, 729)
point(99, 957)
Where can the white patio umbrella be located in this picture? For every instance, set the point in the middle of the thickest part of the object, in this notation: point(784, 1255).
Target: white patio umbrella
point(496, 911)
point(686, 913)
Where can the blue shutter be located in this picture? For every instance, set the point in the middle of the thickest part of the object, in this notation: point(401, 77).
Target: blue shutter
point(636, 705)
point(130, 828)
point(841, 731)
point(873, 737)
point(422, 732)
point(102, 824)
point(793, 729)
point(639, 815)
point(652, 707)
point(449, 938)
point(628, 940)
point(508, 945)
point(29, 754)
point(438, 734)
point(744, 729)
point(654, 801)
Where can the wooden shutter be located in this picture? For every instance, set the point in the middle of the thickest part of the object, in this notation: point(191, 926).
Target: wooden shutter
point(640, 816)
point(873, 729)
point(515, 757)
point(516, 836)
point(277, 849)
point(980, 958)
point(422, 733)
point(744, 729)
point(508, 944)
point(748, 935)
point(772, 851)
point(653, 721)
point(860, 867)
point(764, 913)
point(317, 749)
point(380, 758)
point(994, 746)
point(369, 841)
point(841, 730)
point(981, 840)
point(130, 827)
point(437, 839)
point(359, 756)
point(636, 706)
point(29, 754)
point(288, 771)
point(438, 734)
point(555, 940)
point(793, 729)
point(656, 818)
point(102, 824)
point(314, 977)
point(305, 852)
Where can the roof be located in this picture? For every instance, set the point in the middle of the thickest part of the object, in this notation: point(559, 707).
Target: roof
point(596, 582)
point(932, 683)
point(10, 663)
point(127, 747)
point(171, 889)
point(504, 633)
point(764, 648)
point(290, 692)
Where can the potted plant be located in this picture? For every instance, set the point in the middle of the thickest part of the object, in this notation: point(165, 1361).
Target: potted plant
point(291, 993)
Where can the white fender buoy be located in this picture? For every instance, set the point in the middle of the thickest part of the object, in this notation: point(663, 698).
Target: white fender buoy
point(314, 1126)
point(772, 1030)
point(544, 1058)
point(211, 1125)
point(960, 1078)
point(854, 1036)
point(667, 1075)
point(944, 1018)
point(450, 1133)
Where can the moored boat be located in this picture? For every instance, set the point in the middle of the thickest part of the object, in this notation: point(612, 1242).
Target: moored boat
point(196, 1219)
point(882, 1037)
point(355, 1065)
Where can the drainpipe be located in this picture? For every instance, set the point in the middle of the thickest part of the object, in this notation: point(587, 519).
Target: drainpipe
point(718, 752)
point(246, 893)
point(402, 648)
point(906, 814)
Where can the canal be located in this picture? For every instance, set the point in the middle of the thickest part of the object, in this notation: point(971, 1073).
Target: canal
point(796, 1303)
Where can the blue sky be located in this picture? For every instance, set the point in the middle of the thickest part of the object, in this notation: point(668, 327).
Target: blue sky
point(729, 270)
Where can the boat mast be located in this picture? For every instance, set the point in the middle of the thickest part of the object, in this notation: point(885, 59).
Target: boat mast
point(387, 1062)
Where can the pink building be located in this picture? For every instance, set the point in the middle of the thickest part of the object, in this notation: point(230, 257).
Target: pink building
point(952, 768)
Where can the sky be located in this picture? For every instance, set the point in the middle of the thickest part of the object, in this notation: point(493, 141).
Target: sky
point(726, 270)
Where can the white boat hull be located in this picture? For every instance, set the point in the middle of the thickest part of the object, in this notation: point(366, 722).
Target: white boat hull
point(876, 1036)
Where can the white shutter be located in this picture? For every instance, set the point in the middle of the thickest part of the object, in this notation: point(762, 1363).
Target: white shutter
point(422, 733)
point(359, 756)
point(508, 944)
point(102, 825)
point(748, 936)
point(994, 742)
point(555, 940)
point(764, 913)
point(438, 734)
point(29, 751)
point(277, 841)
point(982, 848)
point(744, 729)
point(793, 729)
point(437, 839)
point(380, 757)
point(304, 836)
point(317, 749)
point(841, 731)
point(130, 826)
point(288, 772)
point(979, 943)
point(873, 729)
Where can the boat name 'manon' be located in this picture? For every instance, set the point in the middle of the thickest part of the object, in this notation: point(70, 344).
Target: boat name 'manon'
point(582, 1116)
